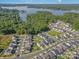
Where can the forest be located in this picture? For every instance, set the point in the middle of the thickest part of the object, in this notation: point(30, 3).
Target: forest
point(38, 22)
point(10, 22)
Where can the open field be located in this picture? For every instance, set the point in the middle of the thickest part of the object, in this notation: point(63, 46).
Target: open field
point(4, 41)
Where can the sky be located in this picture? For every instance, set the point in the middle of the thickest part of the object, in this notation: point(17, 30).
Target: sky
point(39, 1)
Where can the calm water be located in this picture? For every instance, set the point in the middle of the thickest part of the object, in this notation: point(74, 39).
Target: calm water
point(24, 11)
point(55, 12)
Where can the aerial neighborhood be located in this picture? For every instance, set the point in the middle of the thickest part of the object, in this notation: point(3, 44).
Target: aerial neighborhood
point(39, 31)
point(65, 36)
point(19, 45)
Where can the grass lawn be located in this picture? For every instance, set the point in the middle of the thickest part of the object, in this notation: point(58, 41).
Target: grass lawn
point(36, 40)
point(4, 41)
point(60, 57)
point(35, 48)
point(53, 33)
point(77, 36)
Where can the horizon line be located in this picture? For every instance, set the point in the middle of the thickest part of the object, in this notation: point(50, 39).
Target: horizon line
point(41, 3)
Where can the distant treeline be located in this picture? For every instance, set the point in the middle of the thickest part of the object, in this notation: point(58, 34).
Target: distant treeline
point(56, 6)
point(49, 6)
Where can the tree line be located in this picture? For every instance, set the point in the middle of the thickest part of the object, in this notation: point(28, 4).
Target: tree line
point(10, 22)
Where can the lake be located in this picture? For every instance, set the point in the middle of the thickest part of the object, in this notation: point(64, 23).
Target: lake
point(24, 11)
